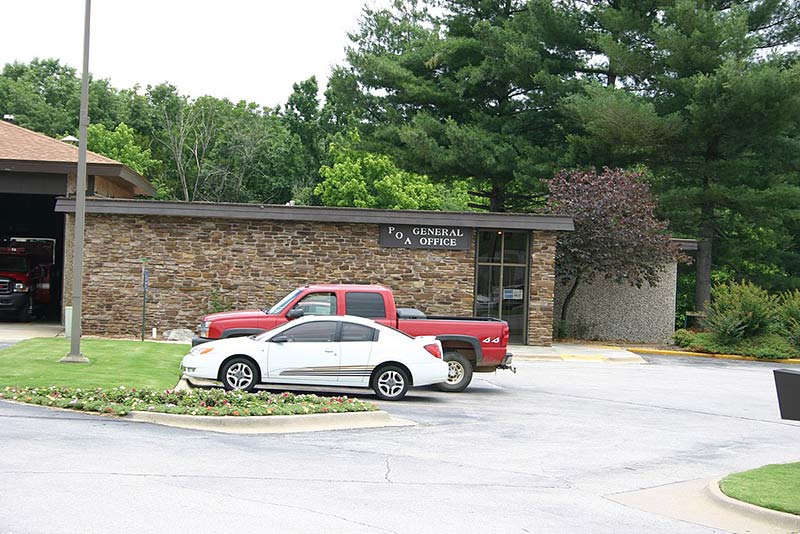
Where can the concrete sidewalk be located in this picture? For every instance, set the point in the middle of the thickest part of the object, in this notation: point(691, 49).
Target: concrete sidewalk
point(574, 352)
point(14, 332)
point(701, 502)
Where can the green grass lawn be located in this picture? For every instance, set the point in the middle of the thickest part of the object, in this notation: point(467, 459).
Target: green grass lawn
point(772, 486)
point(112, 363)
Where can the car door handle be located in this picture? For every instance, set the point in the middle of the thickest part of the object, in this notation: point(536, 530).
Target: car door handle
point(330, 351)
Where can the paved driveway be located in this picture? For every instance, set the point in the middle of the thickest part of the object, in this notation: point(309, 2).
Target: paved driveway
point(544, 450)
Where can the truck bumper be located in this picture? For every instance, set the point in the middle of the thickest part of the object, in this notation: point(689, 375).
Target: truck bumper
point(13, 303)
point(506, 363)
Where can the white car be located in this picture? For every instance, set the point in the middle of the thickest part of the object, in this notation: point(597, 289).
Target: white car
point(341, 351)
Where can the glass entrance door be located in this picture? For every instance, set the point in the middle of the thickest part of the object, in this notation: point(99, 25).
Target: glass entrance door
point(502, 280)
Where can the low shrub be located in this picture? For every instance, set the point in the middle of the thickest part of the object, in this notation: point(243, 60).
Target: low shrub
point(122, 400)
point(683, 337)
point(789, 317)
point(740, 310)
point(770, 346)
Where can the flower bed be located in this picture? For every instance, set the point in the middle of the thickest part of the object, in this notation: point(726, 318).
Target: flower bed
point(122, 400)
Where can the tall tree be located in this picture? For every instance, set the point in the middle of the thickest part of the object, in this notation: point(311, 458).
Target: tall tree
point(470, 92)
point(708, 95)
point(220, 151)
point(44, 95)
point(120, 144)
point(368, 180)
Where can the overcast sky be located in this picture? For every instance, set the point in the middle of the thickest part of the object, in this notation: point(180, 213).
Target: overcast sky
point(239, 49)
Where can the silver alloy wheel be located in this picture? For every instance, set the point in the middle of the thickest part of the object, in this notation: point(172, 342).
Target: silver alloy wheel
point(239, 375)
point(455, 372)
point(391, 383)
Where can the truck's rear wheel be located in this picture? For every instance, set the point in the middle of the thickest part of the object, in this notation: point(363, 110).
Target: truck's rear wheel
point(459, 372)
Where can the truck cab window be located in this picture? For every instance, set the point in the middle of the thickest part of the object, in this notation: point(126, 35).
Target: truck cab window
point(365, 304)
point(318, 304)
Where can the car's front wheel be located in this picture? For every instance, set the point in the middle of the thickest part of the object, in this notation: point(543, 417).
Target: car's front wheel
point(239, 374)
point(459, 372)
point(390, 383)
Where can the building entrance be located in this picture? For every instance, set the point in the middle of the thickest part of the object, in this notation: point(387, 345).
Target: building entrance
point(502, 279)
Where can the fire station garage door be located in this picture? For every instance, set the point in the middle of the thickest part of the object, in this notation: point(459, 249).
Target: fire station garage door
point(34, 216)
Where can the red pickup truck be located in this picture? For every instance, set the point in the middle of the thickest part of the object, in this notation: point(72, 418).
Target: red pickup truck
point(26, 271)
point(470, 344)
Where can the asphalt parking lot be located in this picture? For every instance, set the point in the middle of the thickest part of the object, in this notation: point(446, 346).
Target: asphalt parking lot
point(545, 450)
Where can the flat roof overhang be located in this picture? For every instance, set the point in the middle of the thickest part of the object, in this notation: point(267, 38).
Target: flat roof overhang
point(108, 170)
point(208, 210)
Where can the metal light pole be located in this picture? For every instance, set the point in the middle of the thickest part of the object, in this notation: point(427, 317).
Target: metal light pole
point(75, 355)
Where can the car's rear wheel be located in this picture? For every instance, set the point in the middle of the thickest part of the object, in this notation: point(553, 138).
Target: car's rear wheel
point(239, 374)
point(459, 372)
point(390, 382)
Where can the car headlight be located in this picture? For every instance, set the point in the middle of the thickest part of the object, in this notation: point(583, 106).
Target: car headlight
point(204, 326)
point(200, 349)
point(20, 288)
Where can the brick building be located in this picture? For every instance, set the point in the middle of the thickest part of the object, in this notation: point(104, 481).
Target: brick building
point(199, 255)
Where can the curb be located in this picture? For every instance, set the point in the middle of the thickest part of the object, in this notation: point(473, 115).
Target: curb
point(782, 520)
point(578, 357)
point(663, 352)
point(272, 424)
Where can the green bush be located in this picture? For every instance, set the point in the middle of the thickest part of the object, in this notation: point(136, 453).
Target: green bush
point(683, 338)
point(789, 317)
point(768, 346)
point(740, 310)
point(771, 346)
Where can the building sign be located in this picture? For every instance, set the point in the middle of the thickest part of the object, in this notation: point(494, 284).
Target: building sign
point(512, 294)
point(434, 237)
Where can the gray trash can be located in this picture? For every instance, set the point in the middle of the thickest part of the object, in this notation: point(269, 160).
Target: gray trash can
point(787, 382)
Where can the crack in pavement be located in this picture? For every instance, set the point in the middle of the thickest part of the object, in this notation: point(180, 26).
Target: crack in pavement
point(388, 471)
point(495, 469)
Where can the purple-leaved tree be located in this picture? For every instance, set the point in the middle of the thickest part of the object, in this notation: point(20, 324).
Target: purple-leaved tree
point(617, 234)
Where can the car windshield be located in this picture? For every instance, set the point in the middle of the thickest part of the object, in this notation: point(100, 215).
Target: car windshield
point(280, 306)
point(13, 264)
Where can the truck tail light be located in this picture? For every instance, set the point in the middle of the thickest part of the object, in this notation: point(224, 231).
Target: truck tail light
point(433, 348)
point(506, 335)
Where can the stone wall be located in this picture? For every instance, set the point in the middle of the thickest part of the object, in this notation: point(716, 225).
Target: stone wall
point(608, 311)
point(249, 264)
point(195, 263)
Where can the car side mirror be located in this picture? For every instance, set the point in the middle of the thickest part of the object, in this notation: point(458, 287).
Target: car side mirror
point(295, 313)
point(279, 339)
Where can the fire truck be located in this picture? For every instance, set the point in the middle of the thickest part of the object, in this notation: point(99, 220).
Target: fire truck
point(27, 287)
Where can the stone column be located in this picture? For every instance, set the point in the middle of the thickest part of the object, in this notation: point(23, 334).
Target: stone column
point(542, 284)
point(66, 278)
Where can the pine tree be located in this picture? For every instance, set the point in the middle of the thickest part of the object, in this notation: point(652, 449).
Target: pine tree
point(708, 95)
